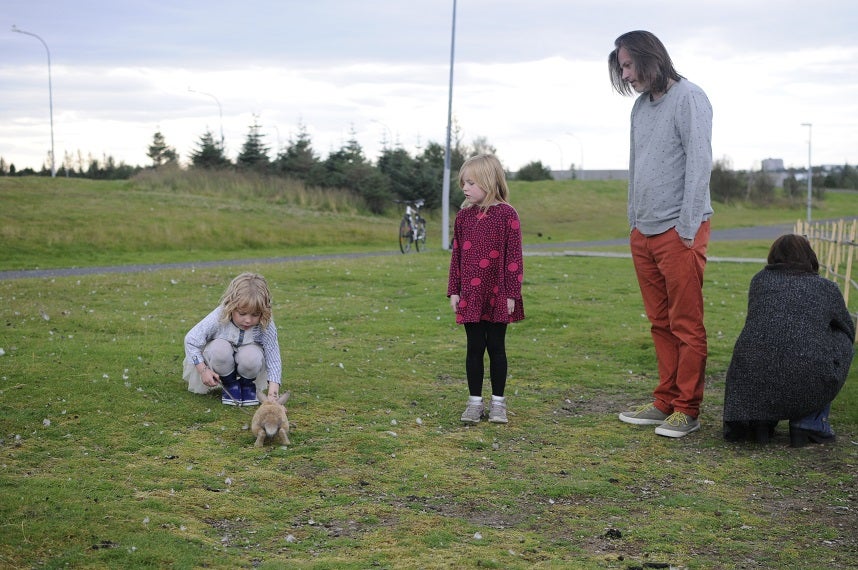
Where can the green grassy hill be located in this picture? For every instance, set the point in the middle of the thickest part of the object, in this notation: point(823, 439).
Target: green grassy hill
point(180, 216)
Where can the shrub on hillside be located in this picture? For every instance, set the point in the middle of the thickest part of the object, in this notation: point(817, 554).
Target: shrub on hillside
point(534, 171)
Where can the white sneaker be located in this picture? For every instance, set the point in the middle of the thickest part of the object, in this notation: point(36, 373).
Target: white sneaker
point(497, 413)
point(473, 413)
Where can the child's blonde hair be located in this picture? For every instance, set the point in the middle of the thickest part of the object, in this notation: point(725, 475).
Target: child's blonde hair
point(248, 292)
point(487, 172)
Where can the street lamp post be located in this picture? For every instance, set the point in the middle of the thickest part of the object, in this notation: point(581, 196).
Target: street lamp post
point(445, 193)
point(219, 110)
point(389, 138)
point(581, 145)
point(809, 170)
point(50, 95)
point(559, 148)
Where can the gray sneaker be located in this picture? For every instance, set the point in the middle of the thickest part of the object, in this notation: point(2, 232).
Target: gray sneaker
point(678, 425)
point(473, 413)
point(497, 413)
point(645, 415)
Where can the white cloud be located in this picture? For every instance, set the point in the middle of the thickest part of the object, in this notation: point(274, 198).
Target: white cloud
point(531, 78)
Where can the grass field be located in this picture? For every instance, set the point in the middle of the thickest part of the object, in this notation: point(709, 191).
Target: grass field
point(106, 460)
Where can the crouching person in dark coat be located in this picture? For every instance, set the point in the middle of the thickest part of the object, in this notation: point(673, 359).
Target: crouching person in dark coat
point(793, 354)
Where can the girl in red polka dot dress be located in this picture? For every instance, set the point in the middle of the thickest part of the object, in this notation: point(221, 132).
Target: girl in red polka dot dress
point(486, 273)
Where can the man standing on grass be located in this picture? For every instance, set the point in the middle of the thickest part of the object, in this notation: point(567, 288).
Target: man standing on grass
point(669, 208)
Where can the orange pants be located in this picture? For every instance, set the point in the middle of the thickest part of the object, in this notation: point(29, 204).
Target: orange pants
point(670, 276)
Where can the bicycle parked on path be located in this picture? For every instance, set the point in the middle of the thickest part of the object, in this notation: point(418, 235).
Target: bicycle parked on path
point(412, 228)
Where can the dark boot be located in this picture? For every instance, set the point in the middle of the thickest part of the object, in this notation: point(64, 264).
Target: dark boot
point(763, 430)
point(813, 428)
point(248, 391)
point(736, 431)
point(231, 395)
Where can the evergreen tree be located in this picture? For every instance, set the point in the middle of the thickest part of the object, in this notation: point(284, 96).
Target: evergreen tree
point(348, 168)
point(159, 152)
point(94, 167)
point(298, 159)
point(209, 154)
point(412, 178)
point(254, 153)
point(431, 167)
point(401, 171)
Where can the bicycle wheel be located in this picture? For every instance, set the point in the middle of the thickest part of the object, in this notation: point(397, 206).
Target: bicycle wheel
point(405, 236)
point(420, 242)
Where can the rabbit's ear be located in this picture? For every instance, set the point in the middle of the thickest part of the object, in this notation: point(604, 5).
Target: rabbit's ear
point(283, 397)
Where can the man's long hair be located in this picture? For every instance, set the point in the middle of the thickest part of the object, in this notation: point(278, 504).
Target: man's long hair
point(651, 60)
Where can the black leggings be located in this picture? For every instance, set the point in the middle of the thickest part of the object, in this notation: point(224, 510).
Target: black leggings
point(486, 337)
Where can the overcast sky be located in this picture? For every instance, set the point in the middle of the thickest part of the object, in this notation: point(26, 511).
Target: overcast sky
point(530, 76)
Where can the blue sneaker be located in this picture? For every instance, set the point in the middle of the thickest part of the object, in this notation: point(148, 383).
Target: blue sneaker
point(248, 392)
point(231, 394)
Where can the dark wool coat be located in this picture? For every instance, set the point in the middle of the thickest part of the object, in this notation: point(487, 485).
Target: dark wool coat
point(794, 353)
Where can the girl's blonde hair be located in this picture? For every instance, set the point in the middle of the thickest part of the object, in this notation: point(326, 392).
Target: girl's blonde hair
point(248, 292)
point(487, 172)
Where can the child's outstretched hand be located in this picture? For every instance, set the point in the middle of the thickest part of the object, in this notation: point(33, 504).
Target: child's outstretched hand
point(210, 377)
point(510, 306)
point(273, 392)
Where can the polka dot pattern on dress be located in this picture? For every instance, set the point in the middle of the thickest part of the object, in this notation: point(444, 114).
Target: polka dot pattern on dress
point(488, 267)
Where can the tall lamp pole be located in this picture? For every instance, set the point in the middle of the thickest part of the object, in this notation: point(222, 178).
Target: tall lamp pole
point(445, 193)
point(219, 110)
point(50, 95)
point(562, 164)
point(581, 162)
point(809, 170)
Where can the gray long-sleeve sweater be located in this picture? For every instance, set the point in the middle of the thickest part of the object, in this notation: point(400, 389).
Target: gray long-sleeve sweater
point(670, 161)
point(211, 327)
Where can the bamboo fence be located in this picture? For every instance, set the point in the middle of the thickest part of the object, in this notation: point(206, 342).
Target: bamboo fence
point(835, 247)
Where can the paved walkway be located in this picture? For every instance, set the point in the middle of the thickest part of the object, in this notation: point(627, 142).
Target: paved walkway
point(574, 248)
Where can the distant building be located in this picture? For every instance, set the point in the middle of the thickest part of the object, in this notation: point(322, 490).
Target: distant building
point(773, 165)
point(774, 168)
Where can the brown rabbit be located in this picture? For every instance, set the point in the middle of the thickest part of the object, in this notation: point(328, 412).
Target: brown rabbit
point(270, 421)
